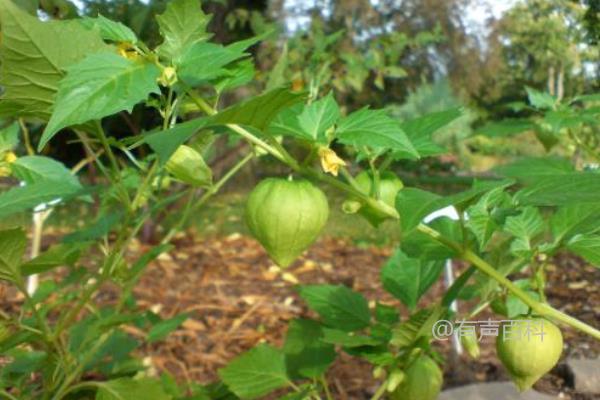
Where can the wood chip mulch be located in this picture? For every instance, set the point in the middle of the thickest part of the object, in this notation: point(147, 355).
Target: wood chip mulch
point(237, 298)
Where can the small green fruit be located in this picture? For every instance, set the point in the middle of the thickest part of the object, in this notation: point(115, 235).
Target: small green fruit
point(187, 165)
point(286, 217)
point(471, 345)
point(527, 357)
point(389, 186)
point(423, 381)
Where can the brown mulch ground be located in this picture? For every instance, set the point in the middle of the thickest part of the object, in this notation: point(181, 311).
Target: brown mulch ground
point(237, 299)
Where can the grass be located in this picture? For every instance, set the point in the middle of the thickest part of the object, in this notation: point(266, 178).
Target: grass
point(224, 215)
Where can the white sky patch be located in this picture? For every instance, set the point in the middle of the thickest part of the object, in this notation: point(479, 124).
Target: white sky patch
point(480, 12)
point(478, 15)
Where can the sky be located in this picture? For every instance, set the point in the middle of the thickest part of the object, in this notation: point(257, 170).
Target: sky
point(476, 16)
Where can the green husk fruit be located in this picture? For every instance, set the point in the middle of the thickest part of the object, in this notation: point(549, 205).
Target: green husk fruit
point(529, 358)
point(286, 217)
point(423, 381)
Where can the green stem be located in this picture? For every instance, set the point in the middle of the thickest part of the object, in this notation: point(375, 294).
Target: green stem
point(380, 391)
point(26, 139)
point(65, 388)
point(292, 163)
point(325, 385)
point(5, 394)
point(540, 308)
point(111, 156)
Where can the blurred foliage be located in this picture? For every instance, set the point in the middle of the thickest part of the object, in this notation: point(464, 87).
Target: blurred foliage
point(541, 44)
point(414, 57)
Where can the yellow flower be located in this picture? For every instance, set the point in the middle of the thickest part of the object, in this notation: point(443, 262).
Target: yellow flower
point(127, 50)
point(330, 162)
point(10, 157)
point(168, 77)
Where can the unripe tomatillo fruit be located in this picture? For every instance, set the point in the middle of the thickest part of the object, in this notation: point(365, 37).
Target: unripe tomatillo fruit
point(529, 347)
point(187, 165)
point(286, 217)
point(471, 345)
point(389, 186)
point(423, 381)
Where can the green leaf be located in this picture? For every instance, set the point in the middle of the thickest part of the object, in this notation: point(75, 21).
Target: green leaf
point(540, 99)
point(376, 130)
point(588, 97)
point(575, 219)
point(514, 305)
point(34, 56)
point(205, 61)
point(110, 30)
point(338, 306)
point(417, 326)
point(12, 249)
point(95, 230)
point(9, 137)
point(129, 389)
point(420, 130)
point(100, 85)
point(386, 314)
point(235, 75)
point(256, 373)
point(56, 256)
point(24, 362)
point(407, 279)
point(565, 118)
point(305, 354)
point(526, 225)
point(347, 339)
point(182, 24)
point(32, 169)
point(165, 143)
point(507, 127)
point(420, 245)
point(415, 204)
point(23, 198)
point(259, 111)
point(562, 190)
point(480, 220)
point(309, 122)
point(277, 74)
point(530, 170)
point(142, 262)
point(586, 246)
point(163, 328)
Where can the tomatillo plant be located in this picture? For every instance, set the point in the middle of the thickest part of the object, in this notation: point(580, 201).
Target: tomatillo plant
point(64, 344)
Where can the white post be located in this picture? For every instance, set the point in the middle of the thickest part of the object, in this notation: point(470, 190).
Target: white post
point(449, 212)
point(40, 213)
point(36, 241)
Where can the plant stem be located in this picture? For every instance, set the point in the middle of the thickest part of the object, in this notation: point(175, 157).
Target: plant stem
point(5, 394)
point(111, 156)
point(325, 385)
point(380, 391)
point(540, 308)
point(26, 139)
point(292, 163)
